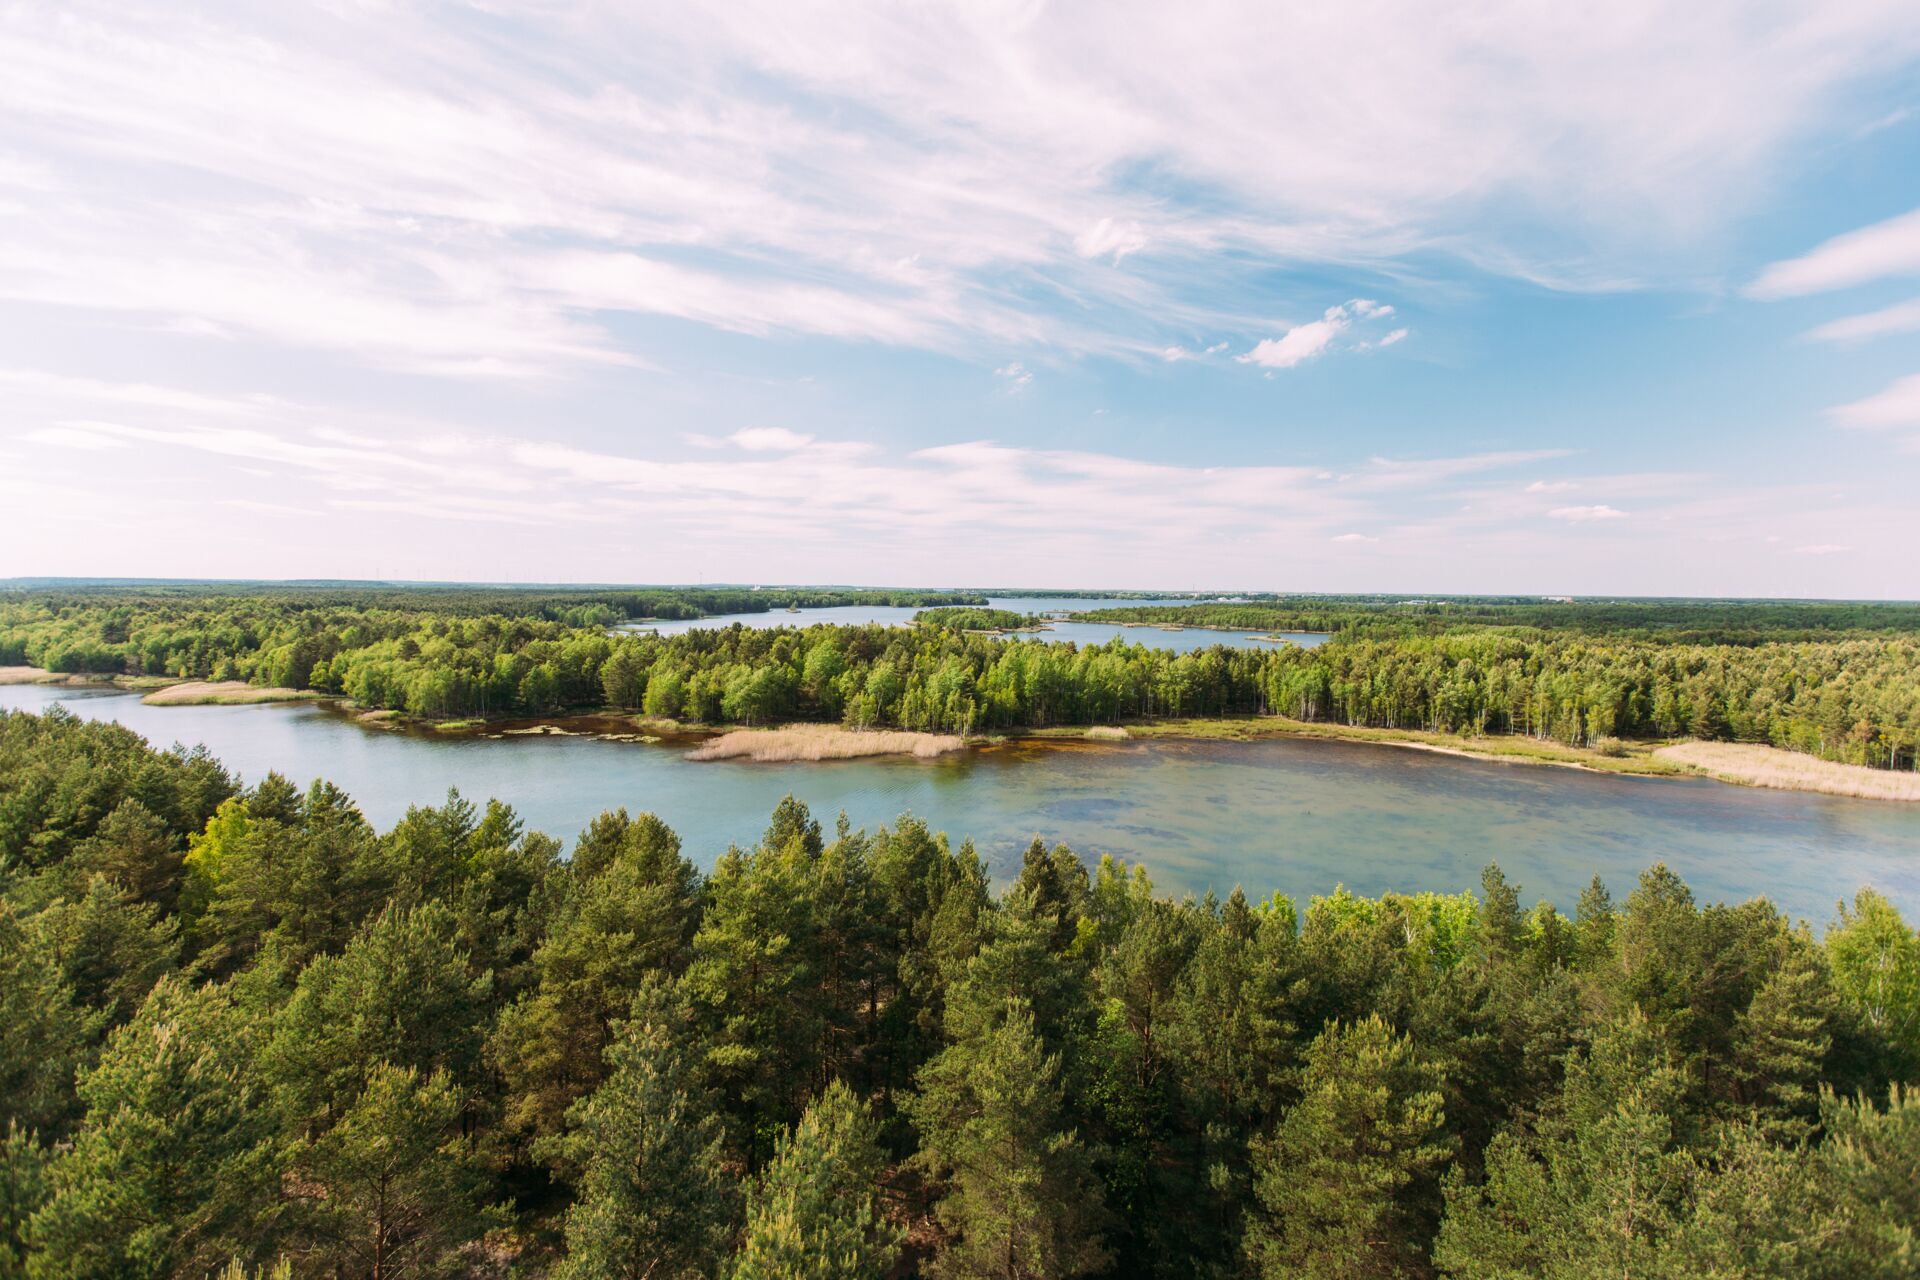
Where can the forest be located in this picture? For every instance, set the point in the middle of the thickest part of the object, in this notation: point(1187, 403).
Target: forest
point(249, 1035)
point(1839, 681)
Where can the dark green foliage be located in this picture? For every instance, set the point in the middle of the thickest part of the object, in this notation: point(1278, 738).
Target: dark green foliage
point(170, 1172)
point(654, 1201)
point(247, 1034)
point(1019, 1197)
point(1346, 1182)
point(394, 1188)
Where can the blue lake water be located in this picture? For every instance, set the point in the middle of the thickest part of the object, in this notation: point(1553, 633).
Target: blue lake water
point(1186, 640)
point(1293, 815)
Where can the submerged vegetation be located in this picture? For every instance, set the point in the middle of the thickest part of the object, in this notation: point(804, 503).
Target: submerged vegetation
point(1841, 682)
point(246, 1029)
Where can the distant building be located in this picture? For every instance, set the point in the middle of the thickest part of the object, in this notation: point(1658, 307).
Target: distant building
point(1558, 599)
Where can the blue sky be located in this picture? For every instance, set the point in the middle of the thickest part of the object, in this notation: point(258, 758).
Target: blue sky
point(1521, 299)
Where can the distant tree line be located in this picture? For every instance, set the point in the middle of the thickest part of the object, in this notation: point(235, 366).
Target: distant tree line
point(247, 1034)
point(1738, 622)
point(963, 618)
point(1854, 699)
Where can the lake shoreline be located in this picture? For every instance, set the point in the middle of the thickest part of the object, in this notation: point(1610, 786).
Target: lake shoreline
point(1759, 767)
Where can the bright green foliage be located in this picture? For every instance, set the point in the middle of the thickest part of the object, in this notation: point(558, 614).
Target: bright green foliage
point(394, 1188)
point(813, 1214)
point(1833, 679)
point(1876, 966)
point(1020, 1197)
point(1344, 1181)
point(654, 1202)
point(346, 1051)
point(170, 1170)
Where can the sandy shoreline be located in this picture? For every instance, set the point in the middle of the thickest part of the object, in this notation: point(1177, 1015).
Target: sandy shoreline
point(823, 742)
point(1736, 764)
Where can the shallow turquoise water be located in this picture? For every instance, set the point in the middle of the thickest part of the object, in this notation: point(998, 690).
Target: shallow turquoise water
point(1297, 816)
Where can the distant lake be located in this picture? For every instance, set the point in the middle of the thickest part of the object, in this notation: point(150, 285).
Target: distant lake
point(1298, 816)
point(1187, 640)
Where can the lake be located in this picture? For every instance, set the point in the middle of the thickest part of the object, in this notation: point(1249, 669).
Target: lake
point(1298, 816)
point(1187, 640)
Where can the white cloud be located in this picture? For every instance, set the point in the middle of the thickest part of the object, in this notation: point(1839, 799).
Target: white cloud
point(1583, 515)
point(74, 436)
point(1902, 317)
point(1897, 406)
point(1352, 537)
point(1305, 341)
point(1109, 237)
point(1890, 248)
point(1394, 337)
point(1552, 486)
point(487, 192)
point(770, 439)
point(1018, 376)
point(1821, 549)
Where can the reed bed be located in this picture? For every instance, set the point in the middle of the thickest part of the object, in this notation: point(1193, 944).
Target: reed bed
point(1761, 766)
point(227, 692)
point(823, 742)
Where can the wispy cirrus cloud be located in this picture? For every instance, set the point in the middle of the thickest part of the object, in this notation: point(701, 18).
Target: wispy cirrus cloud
point(458, 191)
point(1896, 406)
point(1890, 248)
point(1902, 317)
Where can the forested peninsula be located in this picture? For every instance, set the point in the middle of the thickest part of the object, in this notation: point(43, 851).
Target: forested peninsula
point(1838, 681)
point(249, 1035)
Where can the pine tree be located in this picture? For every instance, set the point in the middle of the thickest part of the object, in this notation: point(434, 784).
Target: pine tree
point(812, 1214)
point(45, 1034)
point(1020, 1197)
point(654, 1201)
point(25, 1183)
point(1343, 1180)
point(631, 912)
point(755, 979)
point(394, 1189)
point(1781, 1042)
point(1597, 1187)
point(399, 994)
point(173, 1166)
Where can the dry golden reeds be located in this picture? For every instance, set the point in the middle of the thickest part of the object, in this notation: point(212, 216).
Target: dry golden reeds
point(1762, 766)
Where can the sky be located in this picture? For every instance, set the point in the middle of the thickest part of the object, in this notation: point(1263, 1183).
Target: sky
point(1377, 296)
